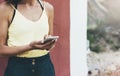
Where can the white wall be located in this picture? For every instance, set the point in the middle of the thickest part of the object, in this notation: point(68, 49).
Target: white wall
point(78, 14)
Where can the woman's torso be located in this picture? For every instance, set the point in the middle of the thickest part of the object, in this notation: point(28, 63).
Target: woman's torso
point(22, 31)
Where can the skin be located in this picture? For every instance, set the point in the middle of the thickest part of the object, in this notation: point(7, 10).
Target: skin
point(27, 8)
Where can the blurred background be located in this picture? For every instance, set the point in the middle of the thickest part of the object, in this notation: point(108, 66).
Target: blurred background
point(103, 34)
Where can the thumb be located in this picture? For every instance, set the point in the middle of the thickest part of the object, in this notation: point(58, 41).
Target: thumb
point(45, 37)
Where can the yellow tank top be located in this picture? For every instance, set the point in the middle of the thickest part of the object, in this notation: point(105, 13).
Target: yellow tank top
point(22, 31)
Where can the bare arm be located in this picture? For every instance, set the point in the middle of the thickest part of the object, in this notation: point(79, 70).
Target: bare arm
point(4, 22)
point(4, 49)
point(50, 13)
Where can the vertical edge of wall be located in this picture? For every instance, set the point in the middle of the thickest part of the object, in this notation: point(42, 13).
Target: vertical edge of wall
point(78, 48)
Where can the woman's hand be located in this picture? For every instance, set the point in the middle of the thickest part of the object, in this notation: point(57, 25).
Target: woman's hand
point(43, 46)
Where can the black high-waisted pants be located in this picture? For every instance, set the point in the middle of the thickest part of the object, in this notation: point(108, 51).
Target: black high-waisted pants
point(40, 66)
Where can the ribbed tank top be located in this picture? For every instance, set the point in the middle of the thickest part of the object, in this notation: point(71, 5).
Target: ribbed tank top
point(23, 31)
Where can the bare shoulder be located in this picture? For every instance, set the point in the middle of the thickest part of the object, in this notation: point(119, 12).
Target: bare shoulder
point(4, 9)
point(6, 12)
point(49, 7)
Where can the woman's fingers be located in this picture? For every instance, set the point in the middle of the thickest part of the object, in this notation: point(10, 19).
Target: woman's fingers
point(51, 45)
point(44, 46)
point(40, 45)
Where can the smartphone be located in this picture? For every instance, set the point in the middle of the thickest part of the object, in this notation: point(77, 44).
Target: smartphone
point(50, 38)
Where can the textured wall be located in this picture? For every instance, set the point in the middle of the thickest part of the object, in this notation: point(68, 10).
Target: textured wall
point(60, 54)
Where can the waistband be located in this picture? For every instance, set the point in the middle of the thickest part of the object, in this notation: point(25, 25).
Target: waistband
point(29, 60)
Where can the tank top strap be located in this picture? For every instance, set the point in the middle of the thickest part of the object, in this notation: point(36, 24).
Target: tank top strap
point(14, 7)
point(42, 5)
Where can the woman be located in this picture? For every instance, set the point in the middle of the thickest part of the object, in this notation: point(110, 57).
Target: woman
point(23, 26)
